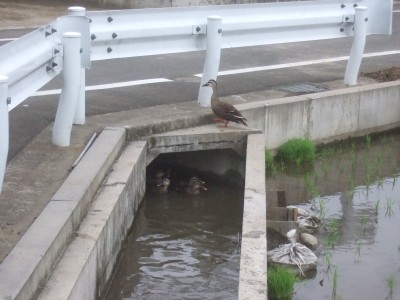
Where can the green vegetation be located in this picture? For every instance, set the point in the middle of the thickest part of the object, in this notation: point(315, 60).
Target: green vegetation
point(335, 295)
point(390, 282)
point(280, 283)
point(368, 140)
point(377, 205)
point(359, 169)
point(269, 162)
point(332, 227)
point(297, 151)
point(389, 206)
point(311, 186)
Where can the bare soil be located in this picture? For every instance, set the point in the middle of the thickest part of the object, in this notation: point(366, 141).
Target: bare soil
point(390, 74)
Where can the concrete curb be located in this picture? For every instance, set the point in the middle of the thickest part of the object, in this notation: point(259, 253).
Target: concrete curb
point(30, 262)
point(87, 263)
point(253, 257)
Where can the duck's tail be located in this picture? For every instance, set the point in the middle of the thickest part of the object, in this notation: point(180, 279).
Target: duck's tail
point(242, 120)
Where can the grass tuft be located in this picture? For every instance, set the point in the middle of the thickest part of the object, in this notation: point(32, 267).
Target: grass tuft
point(280, 283)
point(297, 151)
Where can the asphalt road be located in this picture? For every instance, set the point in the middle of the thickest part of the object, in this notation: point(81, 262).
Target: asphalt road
point(34, 114)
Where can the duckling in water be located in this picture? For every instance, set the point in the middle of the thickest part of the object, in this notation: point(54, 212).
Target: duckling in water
point(160, 186)
point(159, 182)
point(193, 186)
point(224, 111)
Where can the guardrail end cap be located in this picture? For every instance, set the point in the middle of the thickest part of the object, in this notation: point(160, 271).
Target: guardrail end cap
point(76, 8)
point(3, 78)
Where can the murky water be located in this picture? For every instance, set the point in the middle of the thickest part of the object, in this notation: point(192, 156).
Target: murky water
point(358, 193)
point(183, 247)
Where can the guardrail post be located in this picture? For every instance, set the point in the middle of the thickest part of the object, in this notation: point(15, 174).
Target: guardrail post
point(213, 55)
point(357, 48)
point(4, 127)
point(80, 112)
point(70, 90)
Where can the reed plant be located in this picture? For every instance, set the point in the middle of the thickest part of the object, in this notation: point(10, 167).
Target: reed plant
point(389, 206)
point(322, 208)
point(368, 140)
point(390, 282)
point(377, 206)
point(335, 295)
point(368, 177)
point(363, 222)
point(358, 243)
point(325, 166)
point(311, 185)
point(332, 227)
point(328, 260)
point(280, 282)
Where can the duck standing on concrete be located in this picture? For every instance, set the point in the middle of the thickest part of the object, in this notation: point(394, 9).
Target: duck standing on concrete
point(224, 111)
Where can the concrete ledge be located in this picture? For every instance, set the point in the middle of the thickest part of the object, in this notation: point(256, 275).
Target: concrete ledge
point(253, 257)
point(30, 262)
point(207, 137)
point(87, 263)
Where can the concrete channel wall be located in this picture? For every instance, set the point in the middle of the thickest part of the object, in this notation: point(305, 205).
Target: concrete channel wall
point(80, 232)
point(327, 116)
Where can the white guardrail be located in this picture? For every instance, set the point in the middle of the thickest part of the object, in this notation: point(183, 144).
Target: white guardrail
point(70, 43)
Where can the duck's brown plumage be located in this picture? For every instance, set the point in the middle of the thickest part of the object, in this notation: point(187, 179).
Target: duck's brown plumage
point(223, 110)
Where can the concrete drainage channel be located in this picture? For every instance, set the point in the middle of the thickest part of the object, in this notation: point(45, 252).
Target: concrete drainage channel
point(79, 239)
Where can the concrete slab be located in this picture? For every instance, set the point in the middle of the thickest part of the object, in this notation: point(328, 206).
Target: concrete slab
point(30, 262)
point(207, 137)
point(32, 178)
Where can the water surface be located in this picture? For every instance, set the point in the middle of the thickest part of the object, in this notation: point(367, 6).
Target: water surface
point(183, 247)
point(355, 188)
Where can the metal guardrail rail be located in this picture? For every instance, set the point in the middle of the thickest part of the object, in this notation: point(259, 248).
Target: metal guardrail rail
point(33, 60)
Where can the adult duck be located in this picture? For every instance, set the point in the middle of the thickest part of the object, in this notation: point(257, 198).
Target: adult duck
point(224, 111)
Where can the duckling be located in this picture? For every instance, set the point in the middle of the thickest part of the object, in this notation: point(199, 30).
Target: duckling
point(193, 186)
point(225, 111)
point(159, 181)
point(160, 186)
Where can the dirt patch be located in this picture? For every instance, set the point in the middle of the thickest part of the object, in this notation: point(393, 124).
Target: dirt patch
point(390, 74)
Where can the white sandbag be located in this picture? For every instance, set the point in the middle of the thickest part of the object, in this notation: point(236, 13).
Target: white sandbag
point(293, 255)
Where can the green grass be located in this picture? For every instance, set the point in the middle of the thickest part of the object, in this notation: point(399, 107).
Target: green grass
point(297, 151)
point(269, 162)
point(280, 283)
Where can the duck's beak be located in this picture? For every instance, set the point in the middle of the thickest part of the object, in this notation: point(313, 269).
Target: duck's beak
point(205, 84)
